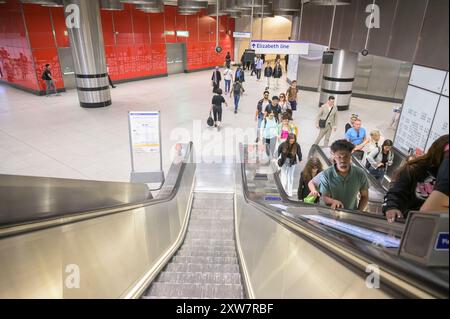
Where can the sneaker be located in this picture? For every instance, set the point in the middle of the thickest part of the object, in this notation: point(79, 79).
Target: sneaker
point(235, 112)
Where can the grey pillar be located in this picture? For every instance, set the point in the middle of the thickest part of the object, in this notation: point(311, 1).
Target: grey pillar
point(86, 40)
point(338, 78)
point(295, 27)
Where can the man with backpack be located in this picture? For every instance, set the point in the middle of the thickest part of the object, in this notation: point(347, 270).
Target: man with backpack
point(240, 74)
point(49, 82)
point(238, 89)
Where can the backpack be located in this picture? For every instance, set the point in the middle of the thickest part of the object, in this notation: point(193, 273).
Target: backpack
point(238, 74)
point(237, 88)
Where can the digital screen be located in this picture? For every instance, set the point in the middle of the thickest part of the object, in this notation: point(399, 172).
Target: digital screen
point(371, 236)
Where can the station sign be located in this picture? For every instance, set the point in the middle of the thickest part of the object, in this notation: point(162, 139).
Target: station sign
point(279, 47)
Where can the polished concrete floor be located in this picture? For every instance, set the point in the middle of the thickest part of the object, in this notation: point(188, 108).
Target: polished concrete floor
point(54, 137)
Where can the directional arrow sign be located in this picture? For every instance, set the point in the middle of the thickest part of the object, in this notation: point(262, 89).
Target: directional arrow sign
point(279, 47)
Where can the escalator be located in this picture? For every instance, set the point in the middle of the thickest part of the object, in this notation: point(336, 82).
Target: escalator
point(223, 232)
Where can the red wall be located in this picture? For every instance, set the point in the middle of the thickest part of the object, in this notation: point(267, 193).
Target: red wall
point(135, 42)
point(16, 59)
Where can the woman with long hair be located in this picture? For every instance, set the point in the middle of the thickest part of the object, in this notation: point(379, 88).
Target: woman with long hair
point(289, 154)
point(379, 159)
point(414, 181)
point(312, 168)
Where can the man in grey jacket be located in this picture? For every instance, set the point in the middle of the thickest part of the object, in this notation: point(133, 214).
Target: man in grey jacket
point(328, 118)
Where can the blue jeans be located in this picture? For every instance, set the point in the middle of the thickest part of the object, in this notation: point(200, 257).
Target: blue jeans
point(227, 86)
point(236, 101)
point(378, 173)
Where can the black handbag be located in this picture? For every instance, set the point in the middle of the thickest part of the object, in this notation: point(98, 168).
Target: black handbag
point(210, 120)
point(323, 123)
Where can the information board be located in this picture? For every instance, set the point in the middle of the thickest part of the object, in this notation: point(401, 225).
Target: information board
point(279, 47)
point(145, 141)
point(440, 123)
point(416, 120)
point(424, 116)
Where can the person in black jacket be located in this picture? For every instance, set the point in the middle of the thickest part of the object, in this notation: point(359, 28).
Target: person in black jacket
point(239, 75)
point(228, 60)
point(277, 74)
point(312, 168)
point(289, 154)
point(268, 71)
point(414, 182)
point(216, 78)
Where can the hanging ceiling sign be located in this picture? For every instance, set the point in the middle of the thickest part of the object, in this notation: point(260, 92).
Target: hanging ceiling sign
point(279, 47)
point(246, 35)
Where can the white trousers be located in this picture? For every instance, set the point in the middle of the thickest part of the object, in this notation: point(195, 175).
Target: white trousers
point(287, 178)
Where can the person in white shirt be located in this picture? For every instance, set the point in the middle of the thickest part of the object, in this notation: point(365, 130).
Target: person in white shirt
point(228, 77)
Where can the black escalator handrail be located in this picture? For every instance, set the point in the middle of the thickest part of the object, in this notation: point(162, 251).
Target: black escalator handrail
point(372, 179)
point(63, 219)
point(371, 256)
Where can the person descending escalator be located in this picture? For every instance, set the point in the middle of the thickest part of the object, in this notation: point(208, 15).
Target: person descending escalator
point(289, 155)
point(312, 168)
point(414, 181)
point(379, 159)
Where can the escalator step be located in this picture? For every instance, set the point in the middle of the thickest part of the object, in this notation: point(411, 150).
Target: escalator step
point(216, 204)
point(200, 278)
point(207, 252)
point(210, 291)
point(222, 268)
point(229, 196)
point(204, 260)
point(208, 223)
point(210, 242)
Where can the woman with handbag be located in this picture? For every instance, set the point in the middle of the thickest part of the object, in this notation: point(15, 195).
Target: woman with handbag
point(379, 159)
point(326, 121)
point(290, 154)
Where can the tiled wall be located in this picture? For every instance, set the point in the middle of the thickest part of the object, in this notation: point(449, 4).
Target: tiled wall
point(134, 41)
point(16, 59)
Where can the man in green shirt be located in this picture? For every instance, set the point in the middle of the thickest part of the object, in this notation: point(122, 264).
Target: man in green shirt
point(341, 183)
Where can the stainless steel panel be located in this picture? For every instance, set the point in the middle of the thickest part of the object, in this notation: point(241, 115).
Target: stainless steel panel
point(379, 37)
point(403, 80)
point(362, 74)
point(92, 83)
point(67, 68)
point(337, 86)
point(113, 253)
point(383, 77)
point(277, 263)
point(26, 198)
point(94, 96)
point(309, 72)
point(176, 57)
point(344, 65)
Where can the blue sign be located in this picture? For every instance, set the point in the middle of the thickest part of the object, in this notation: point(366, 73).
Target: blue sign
point(442, 242)
point(272, 198)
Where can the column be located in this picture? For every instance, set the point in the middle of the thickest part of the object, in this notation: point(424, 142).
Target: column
point(86, 40)
point(338, 78)
point(295, 27)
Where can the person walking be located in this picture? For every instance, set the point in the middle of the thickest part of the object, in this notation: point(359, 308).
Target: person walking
point(326, 121)
point(217, 101)
point(290, 154)
point(268, 71)
point(216, 78)
point(260, 111)
point(228, 60)
point(49, 81)
point(277, 74)
point(255, 59)
point(238, 89)
point(239, 75)
point(269, 130)
point(286, 60)
point(292, 95)
point(109, 78)
point(228, 77)
point(258, 68)
point(284, 104)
